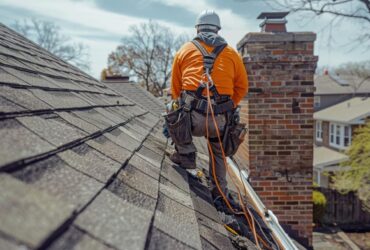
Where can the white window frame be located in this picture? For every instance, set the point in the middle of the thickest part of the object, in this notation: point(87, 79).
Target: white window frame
point(337, 129)
point(318, 130)
point(317, 101)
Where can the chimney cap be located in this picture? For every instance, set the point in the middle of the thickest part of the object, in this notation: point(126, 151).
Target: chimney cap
point(272, 15)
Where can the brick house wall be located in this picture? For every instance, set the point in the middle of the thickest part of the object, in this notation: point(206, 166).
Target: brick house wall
point(279, 113)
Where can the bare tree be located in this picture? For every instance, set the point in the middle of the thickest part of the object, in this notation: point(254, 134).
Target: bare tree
point(357, 74)
point(357, 11)
point(148, 52)
point(48, 35)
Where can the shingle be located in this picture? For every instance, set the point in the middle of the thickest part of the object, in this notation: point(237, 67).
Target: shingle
point(155, 145)
point(178, 196)
point(137, 110)
point(116, 221)
point(110, 115)
point(31, 78)
point(122, 139)
point(7, 106)
point(116, 100)
point(90, 162)
point(123, 111)
point(181, 231)
point(7, 51)
point(137, 129)
point(93, 117)
point(24, 98)
point(145, 166)
point(78, 122)
point(60, 99)
point(6, 244)
point(202, 200)
point(139, 181)
point(75, 239)
point(134, 134)
point(138, 95)
point(17, 142)
point(174, 179)
point(149, 119)
point(94, 99)
point(5, 77)
point(108, 148)
point(63, 83)
point(150, 156)
point(53, 130)
point(177, 211)
point(58, 179)
point(145, 122)
point(157, 133)
point(162, 241)
point(131, 195)
point(12, 62)
point(33, 214)
point(210, 239)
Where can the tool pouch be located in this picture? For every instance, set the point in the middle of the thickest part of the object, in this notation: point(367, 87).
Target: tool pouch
point(179, 126)
point(234, 138)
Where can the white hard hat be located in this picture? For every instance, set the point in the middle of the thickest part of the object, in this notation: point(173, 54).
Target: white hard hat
point(209, 19)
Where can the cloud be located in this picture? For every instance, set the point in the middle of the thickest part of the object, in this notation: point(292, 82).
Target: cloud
point(101, 30)
point(100, 24)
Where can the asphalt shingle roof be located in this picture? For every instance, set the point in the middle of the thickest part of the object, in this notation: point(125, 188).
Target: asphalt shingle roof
point(352, 111)
point(84, 167)
point(334, 85)
point(134, 92)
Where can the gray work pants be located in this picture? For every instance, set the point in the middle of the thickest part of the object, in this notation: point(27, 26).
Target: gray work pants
point(198, 122)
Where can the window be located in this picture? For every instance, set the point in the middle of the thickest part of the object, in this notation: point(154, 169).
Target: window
point(347, 136)
point(337, 134)
point(316, 101)
point(319, 130)
point(331, 133)
point(340, 135)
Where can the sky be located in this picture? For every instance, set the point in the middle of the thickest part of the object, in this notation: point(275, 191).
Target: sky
point(100, 24)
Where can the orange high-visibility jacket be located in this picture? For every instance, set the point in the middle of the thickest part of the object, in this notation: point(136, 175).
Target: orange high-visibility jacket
point(229, 74)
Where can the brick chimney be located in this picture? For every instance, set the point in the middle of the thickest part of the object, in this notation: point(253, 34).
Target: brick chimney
point(273, 21)
point(279, 113)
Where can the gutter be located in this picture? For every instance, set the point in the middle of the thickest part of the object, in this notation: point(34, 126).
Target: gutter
point(268, 216)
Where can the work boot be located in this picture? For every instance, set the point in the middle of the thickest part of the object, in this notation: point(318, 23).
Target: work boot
point(186, 161)
point(175, 158)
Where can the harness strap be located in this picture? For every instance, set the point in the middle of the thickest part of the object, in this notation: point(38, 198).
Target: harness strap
point(209, 58)
point(208, 62)
point(191, 102)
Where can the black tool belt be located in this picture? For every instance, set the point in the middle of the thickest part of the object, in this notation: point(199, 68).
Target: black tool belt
point(190, 101)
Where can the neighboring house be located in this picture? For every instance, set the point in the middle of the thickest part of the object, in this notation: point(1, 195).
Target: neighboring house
point(334, 129)
point(332, 89)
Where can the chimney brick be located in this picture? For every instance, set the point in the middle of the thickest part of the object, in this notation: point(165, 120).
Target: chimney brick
point(279, 114)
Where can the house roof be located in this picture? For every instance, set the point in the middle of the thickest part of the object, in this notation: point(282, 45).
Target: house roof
point(329, 85)
point(136, 94)
point(83, 167)
point(351, 111)
point(324, 157)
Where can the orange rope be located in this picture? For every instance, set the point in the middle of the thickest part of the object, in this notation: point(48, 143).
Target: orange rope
point(246, 211)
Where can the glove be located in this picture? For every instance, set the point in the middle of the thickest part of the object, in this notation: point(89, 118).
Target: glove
point(165, 131)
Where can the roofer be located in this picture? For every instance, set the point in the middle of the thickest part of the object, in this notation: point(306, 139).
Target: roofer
point(206, 63)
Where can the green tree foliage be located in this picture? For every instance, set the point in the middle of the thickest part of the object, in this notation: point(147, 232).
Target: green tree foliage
point(357, 178)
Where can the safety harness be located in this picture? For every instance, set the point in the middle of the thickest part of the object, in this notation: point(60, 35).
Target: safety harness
point(197, 101)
